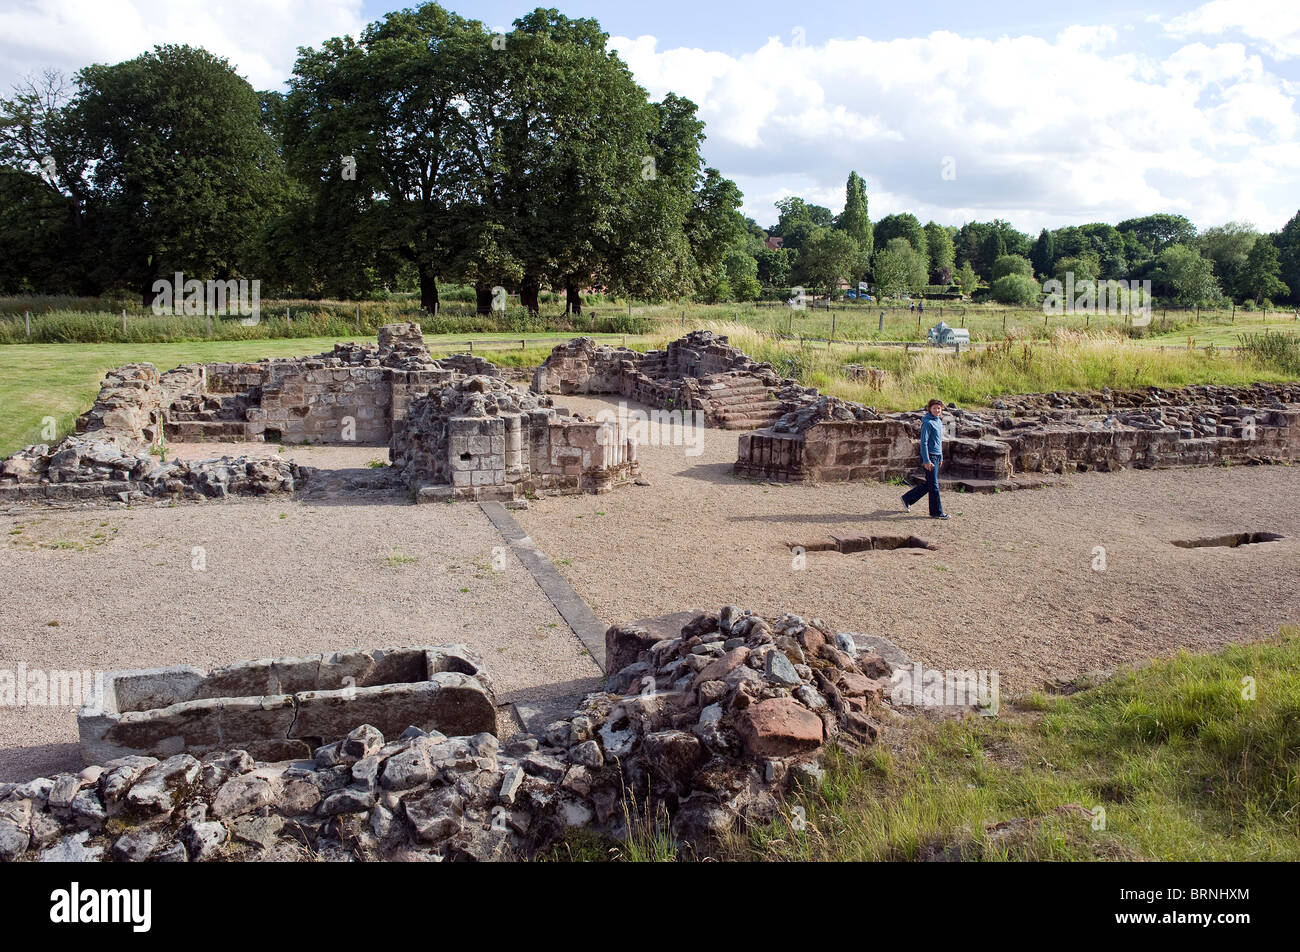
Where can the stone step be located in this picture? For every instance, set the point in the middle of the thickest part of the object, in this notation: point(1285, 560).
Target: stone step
point(739, 399)
point(197, 431)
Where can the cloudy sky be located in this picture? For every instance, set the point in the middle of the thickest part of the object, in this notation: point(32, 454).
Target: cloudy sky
point(953, 111)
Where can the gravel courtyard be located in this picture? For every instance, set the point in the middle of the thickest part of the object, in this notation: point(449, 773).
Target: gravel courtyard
point(1012, 587)
point(111, 589)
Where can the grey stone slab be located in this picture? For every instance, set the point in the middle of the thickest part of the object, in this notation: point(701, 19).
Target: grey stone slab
point(893, 655)
point(576, 612)
point(536, 715)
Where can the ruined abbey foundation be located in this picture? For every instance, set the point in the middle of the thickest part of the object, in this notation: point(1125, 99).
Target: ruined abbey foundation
point(399, 753)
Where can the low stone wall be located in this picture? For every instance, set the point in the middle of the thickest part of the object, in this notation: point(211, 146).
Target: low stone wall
point(128, 409)
point(480, 438)
point(284, 708)
point(351, 394)
point(821, 445)
point(710, 722)
point(87, 470)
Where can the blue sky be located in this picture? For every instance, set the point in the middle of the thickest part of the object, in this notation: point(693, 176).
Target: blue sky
point(1041, 114)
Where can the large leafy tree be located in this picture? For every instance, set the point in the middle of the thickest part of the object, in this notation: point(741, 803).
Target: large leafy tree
point(899, 268)
point(939, 247)
point(43, 191)
point(1107, 243)
point(714, 225)
point(1155, 233)
point(798, 220)
point(1288, 253)
point(184, 172)
point(392, 134)
point(1185, 276)
point(1260, 279)
point(903, 225)
point(1228, 246)
point(582, 147)
point(828, 256)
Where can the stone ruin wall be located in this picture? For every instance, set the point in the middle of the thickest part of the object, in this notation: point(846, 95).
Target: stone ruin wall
point(355, 394)
point(1145, 429)
point(700, 371)
point(480, 438)
point(741, 708)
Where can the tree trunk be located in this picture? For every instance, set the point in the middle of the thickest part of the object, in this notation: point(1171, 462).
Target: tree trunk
point(572, 295)
point(483, 298)
point(148, 295)
point(530, 292)
point(428, 291)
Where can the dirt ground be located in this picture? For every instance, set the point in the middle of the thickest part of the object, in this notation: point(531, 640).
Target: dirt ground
point(113, 589)
point(1012, 587)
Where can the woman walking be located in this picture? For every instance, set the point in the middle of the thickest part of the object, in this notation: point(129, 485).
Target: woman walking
point(931, 460)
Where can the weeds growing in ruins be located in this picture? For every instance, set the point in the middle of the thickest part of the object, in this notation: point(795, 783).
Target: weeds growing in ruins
point(1193, 758)
point(1069, 360)
point(1273, 349)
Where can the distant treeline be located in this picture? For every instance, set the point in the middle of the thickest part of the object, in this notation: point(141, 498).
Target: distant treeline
point(431, 151)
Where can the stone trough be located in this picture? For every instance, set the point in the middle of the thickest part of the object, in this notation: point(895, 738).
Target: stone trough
point(284, 708)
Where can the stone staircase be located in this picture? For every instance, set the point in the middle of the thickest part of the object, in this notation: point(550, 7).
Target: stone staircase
point(208, 418)
point(739, 401)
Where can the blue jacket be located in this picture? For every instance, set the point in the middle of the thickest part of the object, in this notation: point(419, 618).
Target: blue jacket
point(931, 438)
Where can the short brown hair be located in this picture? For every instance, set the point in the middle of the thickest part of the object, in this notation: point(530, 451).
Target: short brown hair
point(933, 402)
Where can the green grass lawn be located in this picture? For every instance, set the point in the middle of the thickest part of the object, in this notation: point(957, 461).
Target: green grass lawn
point(61, 380)
point(1193, 758)
point(1221, 335)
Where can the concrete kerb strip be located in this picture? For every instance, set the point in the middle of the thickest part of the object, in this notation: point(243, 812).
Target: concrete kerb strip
point(579, 616)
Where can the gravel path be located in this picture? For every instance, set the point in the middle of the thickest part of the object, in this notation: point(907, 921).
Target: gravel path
point(112, 589)
point(1011, 589)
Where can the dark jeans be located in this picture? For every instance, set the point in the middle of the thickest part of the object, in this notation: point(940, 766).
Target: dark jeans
point(931, 486)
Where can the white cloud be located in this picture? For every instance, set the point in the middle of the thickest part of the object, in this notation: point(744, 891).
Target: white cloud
point(1043, 131)
point(259, 38)
point(1273, 24)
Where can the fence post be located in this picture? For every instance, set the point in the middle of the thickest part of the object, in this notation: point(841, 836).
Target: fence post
point(880, 329)
point(832, 324)
point(789, 327)
point(358, 317)
point(124, 322)
point(209, 323)
point(918, 324)
point(27, 316)
point(471, 347)
point(288, 314)
point(1004, 321)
